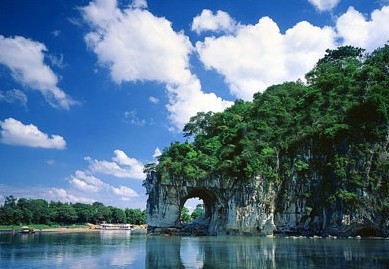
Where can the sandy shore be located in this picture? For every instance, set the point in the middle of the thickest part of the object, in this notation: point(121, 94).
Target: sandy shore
point(66, 230)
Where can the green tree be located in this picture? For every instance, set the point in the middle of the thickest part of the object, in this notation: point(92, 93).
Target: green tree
point(101, 212)
point(64, 214)
point(118, 215)
point(84, 212)
point(135, 216)
point(27, 215)
point(10, 213)
point(185, 217)
point(198, 212)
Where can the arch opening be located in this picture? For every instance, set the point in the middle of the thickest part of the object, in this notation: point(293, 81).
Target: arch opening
point(204, 200)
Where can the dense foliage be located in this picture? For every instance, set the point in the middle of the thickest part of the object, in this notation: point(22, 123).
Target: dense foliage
point(185, 217)
point(39, 211)
point(342, 109)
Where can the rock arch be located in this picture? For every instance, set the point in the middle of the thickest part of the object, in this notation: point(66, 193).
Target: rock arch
point(231, 207)
point(204, 194)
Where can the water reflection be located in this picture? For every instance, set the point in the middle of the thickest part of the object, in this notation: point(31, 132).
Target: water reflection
point(113, 249)
point(192, 253)
point(251, 252)
point(105, 249)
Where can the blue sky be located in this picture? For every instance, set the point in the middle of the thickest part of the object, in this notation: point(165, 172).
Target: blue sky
point(90, 91)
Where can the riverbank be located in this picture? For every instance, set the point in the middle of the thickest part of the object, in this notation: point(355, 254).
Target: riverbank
point(52, 230)
point(139, 229)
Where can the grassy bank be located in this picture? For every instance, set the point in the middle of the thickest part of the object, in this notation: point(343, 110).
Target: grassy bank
point(43, 227)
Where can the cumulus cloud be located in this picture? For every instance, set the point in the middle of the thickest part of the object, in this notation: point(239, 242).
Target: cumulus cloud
point(324, 5)
point(88, 183)
point(60, 194)
point(13, 96)
point(121, 166)
point(124, 192)
point(14, 132)
point(218, 22)
point(185, 100)
point(25, 58)
point(122, 158)
point(356, 30)
point(259, 55)
point(135, 45)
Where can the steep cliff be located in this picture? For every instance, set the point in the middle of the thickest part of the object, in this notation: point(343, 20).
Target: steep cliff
point(307, 158)
point(343, 191)
point(230, 208)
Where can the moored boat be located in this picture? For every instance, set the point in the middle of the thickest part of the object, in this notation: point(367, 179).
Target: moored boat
point(110, 226)
point(26, 230)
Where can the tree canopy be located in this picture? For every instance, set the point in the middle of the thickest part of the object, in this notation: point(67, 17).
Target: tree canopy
point(38, 211)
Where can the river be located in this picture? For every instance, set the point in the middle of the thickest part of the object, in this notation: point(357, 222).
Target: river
point(120, 249)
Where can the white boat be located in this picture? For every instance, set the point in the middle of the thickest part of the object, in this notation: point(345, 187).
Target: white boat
point(110, 226)
point(26, 230)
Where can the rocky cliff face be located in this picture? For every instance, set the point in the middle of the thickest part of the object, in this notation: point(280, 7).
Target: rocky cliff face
point(230, 208)
point(343, 190)
point(337, 190)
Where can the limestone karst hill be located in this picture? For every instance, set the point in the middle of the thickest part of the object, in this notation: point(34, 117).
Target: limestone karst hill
point(303, 157)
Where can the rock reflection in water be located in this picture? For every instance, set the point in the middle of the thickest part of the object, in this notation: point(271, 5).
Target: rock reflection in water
point(253, 252)
point(110, 249)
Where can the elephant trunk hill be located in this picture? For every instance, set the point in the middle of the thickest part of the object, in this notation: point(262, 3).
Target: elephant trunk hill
point(305, 158)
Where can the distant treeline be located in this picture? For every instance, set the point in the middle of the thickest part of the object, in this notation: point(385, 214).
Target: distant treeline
point(39, 211)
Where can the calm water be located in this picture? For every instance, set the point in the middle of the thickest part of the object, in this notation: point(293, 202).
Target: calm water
point(120, 249)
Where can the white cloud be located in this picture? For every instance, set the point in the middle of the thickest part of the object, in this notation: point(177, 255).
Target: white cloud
point(122, 158)
point(124, 192)
point(139, 4)
point(89, 184)
point(56, 33)
point(218, 22)
point(51, 162)
point(153, 100)
point(121, 166)
point(56, 60)
point(258, 56)
point(25, 59)
point(86, 182)
point(60, 194)
point(13, 96)
point(135, 45)
point(107, 167)
point(186, 100)
point(157, 153)
point(357, 31)
point(324, 5)
point(132, 117)
point(15, 132)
